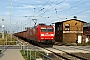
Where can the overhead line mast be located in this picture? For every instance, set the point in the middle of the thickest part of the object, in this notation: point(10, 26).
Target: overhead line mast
point(11, 21)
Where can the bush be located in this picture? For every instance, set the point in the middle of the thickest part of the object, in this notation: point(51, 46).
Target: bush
point(84, 44)
point(3, 41)
point(0, 51)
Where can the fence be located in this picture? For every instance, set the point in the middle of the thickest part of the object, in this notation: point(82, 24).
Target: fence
point(32, 53)
point(5, 44)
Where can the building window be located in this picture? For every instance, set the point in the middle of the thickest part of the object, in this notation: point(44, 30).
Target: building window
point(59, 28)
point(67, 27)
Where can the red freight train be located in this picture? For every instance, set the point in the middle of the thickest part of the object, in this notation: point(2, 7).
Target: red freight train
point(40, 34)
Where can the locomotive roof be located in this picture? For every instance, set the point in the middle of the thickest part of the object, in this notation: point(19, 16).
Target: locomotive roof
point(39, 25)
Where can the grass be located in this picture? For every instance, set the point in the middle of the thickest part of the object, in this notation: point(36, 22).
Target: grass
point(24, 55)
point(32, 53)
point(84, 44)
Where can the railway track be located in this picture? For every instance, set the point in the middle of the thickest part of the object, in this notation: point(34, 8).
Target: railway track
point(85, 49)
point(70, 56)
point(63, 55)
point(23, 41)
point(81, 48)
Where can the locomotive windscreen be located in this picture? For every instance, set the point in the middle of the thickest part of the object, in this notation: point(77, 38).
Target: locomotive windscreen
point(46, 30)
point(43, 29)
point(49, 30)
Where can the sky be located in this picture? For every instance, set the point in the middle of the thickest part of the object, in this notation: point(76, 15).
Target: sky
point(23, 12)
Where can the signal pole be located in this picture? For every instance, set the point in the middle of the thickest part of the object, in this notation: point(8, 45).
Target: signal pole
point(2, 28)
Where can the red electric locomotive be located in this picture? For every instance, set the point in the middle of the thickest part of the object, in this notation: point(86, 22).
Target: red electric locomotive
point(41, 34)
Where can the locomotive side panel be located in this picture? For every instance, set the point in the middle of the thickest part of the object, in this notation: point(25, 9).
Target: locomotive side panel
point(32, 35)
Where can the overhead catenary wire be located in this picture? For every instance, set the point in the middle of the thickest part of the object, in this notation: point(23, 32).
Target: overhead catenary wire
point(83, 11)
point(47, 7)
point(72, 7)
point(46, 2)
point(35, 13)
point(72, 15)
point(79, 12)
point(75, 6)
point(66, 5)
point(52, 7)
point(42, 7)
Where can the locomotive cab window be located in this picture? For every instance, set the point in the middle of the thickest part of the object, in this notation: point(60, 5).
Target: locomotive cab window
point(49, 30)
point(43, 29)
point(46, 30)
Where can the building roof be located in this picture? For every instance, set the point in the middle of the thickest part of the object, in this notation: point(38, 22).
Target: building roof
point(70, 20)
point(86, 25)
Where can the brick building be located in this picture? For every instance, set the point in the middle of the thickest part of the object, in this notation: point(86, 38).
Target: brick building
point(69, 31)
point(86, 32)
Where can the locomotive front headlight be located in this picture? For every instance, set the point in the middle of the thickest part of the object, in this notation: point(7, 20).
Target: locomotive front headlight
point(42, 38)
point(52, 34)
point(51, 38)
point(42, 34)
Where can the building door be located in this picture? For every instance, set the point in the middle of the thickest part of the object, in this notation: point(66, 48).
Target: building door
point(86, 40)
point(79, 39)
